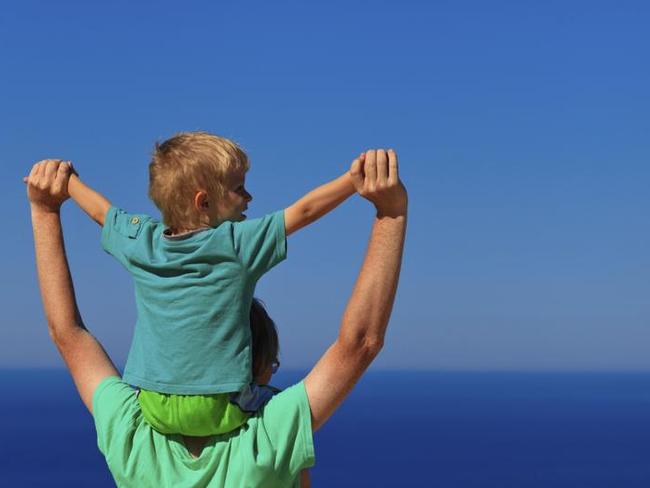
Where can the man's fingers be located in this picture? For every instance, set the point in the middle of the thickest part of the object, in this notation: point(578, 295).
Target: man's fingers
point(61, 177)
point(51, 167)
point(37, 170)
point(393, 170)
point(47, 171)
point(382, 167)
point(63, 169)
point(32, 172)
point(370, 168)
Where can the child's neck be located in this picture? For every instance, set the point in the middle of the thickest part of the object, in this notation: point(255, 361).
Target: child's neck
point(182, 231)
point(187, 230)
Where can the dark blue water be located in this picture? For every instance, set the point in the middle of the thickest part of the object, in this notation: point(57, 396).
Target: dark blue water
point(396, 430)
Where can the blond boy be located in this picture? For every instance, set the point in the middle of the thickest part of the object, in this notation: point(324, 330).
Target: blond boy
point(194, 277)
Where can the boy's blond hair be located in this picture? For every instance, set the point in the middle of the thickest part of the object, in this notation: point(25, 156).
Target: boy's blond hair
point(186, 163)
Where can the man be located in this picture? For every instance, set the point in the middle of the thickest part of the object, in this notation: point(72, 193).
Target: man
point(276, 445)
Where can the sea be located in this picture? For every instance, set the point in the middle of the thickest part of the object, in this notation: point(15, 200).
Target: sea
point(397, 429)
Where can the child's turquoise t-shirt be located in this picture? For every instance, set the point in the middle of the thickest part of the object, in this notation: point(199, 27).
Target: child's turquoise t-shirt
point(193, 297)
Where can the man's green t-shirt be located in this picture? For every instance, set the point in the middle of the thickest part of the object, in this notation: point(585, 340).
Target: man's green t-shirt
point(193, 297)
point(268, 451)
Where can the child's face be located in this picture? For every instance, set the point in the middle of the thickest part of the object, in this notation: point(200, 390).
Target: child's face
point(235, 200)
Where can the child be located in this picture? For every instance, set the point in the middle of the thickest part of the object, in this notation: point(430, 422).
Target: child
point(194, 280)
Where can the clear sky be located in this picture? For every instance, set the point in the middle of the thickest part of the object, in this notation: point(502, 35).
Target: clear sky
point(523, 130)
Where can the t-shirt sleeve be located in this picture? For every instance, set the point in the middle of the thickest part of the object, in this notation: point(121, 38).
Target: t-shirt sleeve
point(115, 408)
point(287, 423)
point(120, 232)
point(261, 243)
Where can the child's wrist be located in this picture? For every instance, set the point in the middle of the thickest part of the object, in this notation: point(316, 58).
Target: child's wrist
point(349, 182)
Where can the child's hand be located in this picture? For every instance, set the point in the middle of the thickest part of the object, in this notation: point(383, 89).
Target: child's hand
point(47, 184)
point(375, 176)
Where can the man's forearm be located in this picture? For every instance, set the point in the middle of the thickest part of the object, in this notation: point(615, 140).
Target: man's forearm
point(54, 275)
point(377, 283)
point(318, 202)
point(364, 322)
point(90, 201)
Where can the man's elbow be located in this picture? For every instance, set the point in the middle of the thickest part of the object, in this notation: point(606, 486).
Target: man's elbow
point(364, 348)
point(62, 335)
point(56, 336)
point(372, 346)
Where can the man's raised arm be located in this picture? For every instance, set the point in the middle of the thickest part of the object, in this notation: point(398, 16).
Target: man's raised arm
point(363, 327)
point(86, 359)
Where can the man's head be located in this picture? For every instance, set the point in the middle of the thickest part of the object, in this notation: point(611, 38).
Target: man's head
point(265, 345)
point(197, 179)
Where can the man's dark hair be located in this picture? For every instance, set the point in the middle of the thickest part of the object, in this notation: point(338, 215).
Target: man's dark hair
point(264, 339)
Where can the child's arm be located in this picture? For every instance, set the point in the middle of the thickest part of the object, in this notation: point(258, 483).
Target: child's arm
point(91, 202)
point(317, 203)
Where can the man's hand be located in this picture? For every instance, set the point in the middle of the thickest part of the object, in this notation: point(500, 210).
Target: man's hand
point(375, 176)
point(47, 184)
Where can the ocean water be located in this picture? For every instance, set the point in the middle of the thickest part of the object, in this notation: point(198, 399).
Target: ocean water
point(397, 429)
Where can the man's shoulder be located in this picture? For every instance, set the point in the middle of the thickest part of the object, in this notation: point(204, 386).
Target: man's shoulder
point(285, 421)
point(112, 393)
point(114, 404)
point(288, 411)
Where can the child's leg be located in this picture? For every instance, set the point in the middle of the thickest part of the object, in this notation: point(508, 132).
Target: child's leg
point(203, 415)
point(191, 415)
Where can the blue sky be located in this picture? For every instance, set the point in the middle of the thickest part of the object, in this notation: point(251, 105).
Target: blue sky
point(522, 129)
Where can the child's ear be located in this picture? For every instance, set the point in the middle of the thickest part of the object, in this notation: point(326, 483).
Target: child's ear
point(201, 201)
